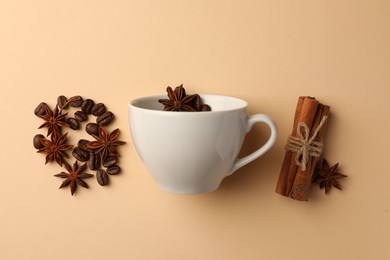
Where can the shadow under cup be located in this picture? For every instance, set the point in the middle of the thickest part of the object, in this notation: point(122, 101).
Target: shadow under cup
point(191, 152)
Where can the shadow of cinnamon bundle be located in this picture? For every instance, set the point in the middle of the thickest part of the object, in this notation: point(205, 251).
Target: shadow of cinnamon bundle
point(304, 147)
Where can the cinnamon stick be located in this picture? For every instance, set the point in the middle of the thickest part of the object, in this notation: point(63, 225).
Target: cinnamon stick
point(302, 181)
point(284, 178)
point(305, 112)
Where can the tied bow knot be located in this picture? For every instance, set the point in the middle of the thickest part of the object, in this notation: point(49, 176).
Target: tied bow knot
point(304, 145)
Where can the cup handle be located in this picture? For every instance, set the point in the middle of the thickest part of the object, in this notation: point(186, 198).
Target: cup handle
point(258, 118)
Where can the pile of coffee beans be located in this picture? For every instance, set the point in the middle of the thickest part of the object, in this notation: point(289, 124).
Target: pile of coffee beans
point(87, 107)
point(58, 121)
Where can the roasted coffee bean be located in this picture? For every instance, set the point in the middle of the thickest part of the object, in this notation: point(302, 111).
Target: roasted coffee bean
point(80, 116)
point(87, 106)
point(76, 101)
point(105, 119)
point(110, 161)
point(112, 170)
point(94, 161)
point(197, 103)
point(61, 102)
point(102, 177)
point(92, 129)
point(205, 108)
point(82, 143)
point(80, 154)
point(40, 110)
point(37, 141)
point(99, 109)
point(73, 123)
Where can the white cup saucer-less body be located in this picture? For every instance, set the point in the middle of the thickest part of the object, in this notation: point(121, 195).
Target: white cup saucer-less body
point(191, 152)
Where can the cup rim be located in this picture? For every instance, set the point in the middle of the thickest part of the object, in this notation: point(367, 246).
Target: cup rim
point(243, 104)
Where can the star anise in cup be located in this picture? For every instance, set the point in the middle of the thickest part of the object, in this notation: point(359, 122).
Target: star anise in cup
point(328, 176)
point(74, 176)
point(178, 100)
point(54, 120)
point(55, 149)
point(106, 144)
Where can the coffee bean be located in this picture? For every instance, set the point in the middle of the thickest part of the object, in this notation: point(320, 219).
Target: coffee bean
point(110, 161)
point(105, 119)
point(205, 108)
point(40, 110)
point(92, 129)
point(82, 143)
point(87, 106)
point(76, 101)
point(99, 109)
point(61, 102)
point(197, 103)
point(102, 177)
point(73, 123)
point(94, 161)
point(80, 116)
point(80, 154)
point(112, 170)
point(37, 141)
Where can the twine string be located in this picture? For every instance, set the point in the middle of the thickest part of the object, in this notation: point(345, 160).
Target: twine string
point(304, 145)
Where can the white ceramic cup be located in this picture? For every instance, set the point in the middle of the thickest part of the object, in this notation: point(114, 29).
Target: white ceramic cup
point(191, 152)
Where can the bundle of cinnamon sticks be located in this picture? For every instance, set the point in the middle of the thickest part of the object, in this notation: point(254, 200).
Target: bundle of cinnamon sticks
point(303, 149)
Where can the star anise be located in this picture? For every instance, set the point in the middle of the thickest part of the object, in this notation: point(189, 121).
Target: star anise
point(328, 176)
point(55, 149)
point(54, 120)
point(178, 100)
point(106, 144)
point(74, 176)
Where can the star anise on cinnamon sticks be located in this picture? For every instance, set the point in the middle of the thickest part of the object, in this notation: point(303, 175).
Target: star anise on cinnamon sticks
point(328, 176)
point(106, 144)
point(74, 176)
point(54, 120)
point(55, 149)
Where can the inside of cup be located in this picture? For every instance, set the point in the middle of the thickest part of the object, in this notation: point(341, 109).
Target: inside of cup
point(148, 103)
point(222, 103)
point(216, 102)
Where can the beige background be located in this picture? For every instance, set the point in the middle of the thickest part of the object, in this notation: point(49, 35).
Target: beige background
point(266, 52)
